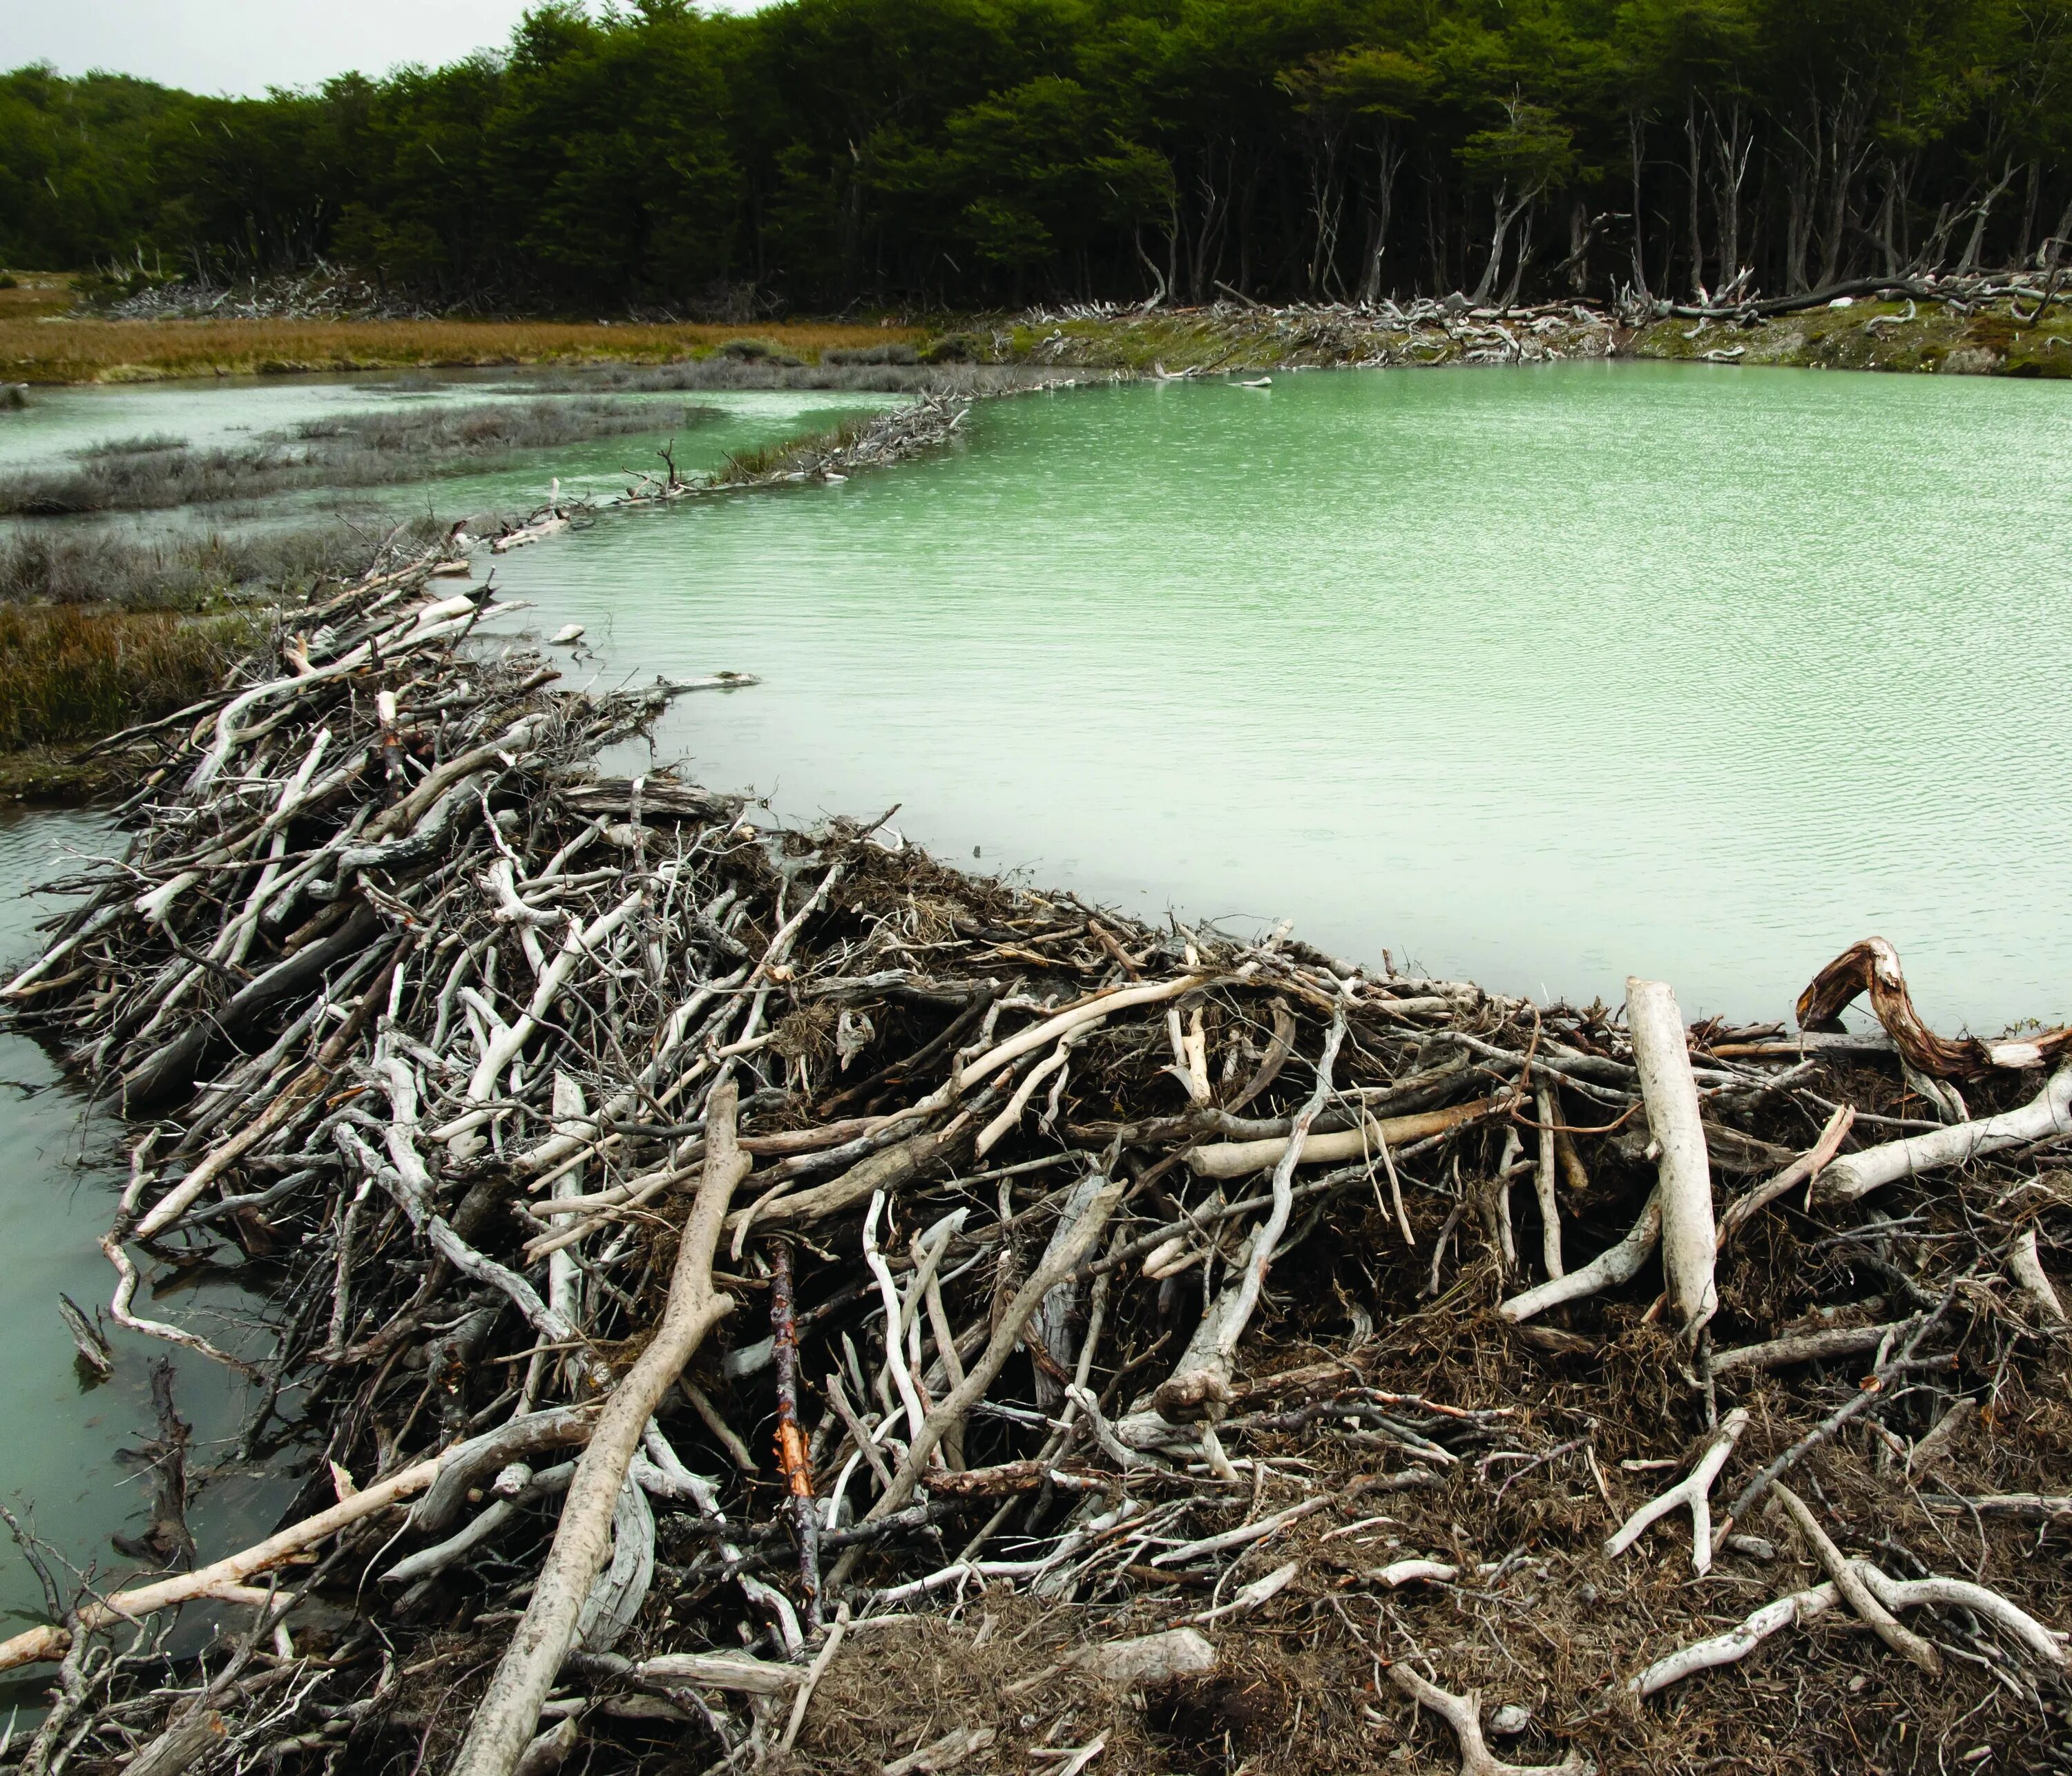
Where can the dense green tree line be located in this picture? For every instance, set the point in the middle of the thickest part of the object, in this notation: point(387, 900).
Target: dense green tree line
point(825, 152)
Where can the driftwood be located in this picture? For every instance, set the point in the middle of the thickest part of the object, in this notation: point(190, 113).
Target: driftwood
point(1690, 1240)
point(1133, 1268)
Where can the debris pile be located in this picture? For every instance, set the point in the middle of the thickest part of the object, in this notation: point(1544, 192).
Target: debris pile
point(761, 1298)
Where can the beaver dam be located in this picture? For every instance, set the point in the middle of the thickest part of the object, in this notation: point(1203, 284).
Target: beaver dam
point(763, 1299)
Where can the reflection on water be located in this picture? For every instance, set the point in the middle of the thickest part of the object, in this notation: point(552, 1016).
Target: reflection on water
point(1537, 676)
point(58, 1190)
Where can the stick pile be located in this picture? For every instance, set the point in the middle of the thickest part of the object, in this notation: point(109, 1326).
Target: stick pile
point(728, 1268)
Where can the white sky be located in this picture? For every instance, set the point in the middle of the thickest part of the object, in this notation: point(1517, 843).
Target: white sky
point(243, 47)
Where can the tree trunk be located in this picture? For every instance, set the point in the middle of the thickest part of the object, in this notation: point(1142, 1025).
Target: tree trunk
point(1698, 291)
point(1388, 159)
point(1633, 136)
point(1506, 213)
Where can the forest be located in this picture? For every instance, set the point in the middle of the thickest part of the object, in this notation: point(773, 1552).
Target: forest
point(822, 155)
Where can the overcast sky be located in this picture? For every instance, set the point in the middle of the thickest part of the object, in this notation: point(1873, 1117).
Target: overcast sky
point(246, 46)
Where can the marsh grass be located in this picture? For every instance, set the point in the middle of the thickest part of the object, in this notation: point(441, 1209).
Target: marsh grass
point(186, 570)
point(787, 454)
point(361, 450)
point(70, 350)
point(67, 674)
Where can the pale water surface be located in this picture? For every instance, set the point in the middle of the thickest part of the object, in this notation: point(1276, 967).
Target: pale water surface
point(59, 1178)
point(1540, 677)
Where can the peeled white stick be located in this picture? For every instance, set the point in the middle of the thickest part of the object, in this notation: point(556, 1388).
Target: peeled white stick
point(1738, 1642)
point(2027, 1270)
point(564, 1278)
point(1004, 1124)
point(579, 943)
point(1208, 1359)
point(1614, 1265)
point(225, 1577)
point(1849, 1580)
point(508, 1714)
point(1689, 1241)
point(2048, 1113)
point(1464, 1714)
point(1692, 1493)
point(822, 1660)
point(1040, 1035)
point(895, 1353)
point(1542, 1184)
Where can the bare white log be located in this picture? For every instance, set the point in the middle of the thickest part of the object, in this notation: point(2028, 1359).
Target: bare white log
point(733, 1672)
point(564, 1278)
point(1738, 1642)
point(817, 1670)
point(1693, 1493)
point(1252, 1596)
point(1241, 1537)
point(1935, 1443)
point(509, 1711)
point(2048, 1113)
point(2045, 1643)
point(1205, 1366)
point(1005, 1124)
point(1398, 1573)
point(2027, 1269)
point(944, 1753)
point(1041, 1035)
point(1614, 1265)
point(1850, 1583)
point(1059, 1264)
point(2052, 1648)
point(1241, 1158)
point(1690, 1240)
point(1149, 1659)
point(1464, 1714)
point(1839, 1340)
point(1542, 1184)
point(581, 942)
point(227, 1577)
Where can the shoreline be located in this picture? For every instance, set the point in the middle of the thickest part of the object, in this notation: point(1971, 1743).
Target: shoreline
point(1872, 329)
point(490, 1010)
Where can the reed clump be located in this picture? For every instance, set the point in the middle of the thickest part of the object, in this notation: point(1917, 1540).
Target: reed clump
point(67, 674)
point(186, 570)
point(363, 450)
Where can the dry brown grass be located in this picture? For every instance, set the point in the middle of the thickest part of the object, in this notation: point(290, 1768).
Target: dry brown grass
point(35, 293)
point(70, 350)
point(67, 674)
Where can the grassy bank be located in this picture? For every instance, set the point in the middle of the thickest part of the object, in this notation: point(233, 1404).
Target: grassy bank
point(184, 570)
point(69, 673)
point(48, 349)
point(1936, 338)
point(99, 630)
point(1995, 340)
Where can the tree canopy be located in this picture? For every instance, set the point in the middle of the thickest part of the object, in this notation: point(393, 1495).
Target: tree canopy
point(823, 153)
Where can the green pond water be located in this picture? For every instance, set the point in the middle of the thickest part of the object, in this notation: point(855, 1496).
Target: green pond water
point(1537, 676)
point(60, 1174)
